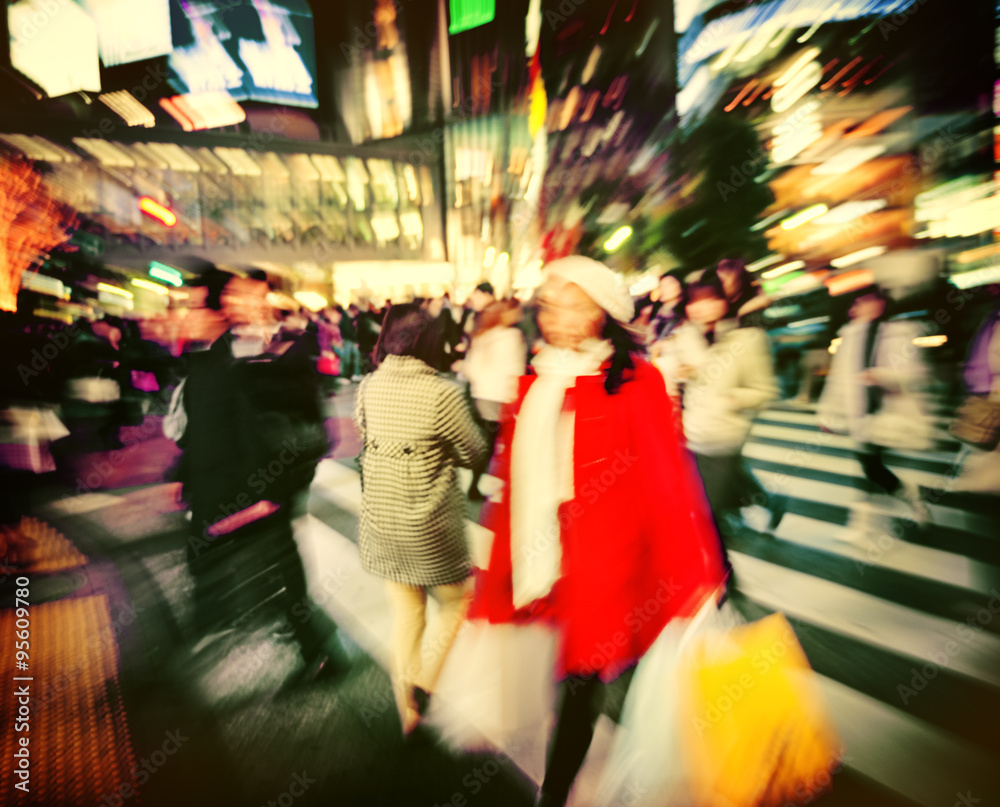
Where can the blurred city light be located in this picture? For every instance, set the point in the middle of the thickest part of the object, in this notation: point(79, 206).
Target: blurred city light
point(619, 237)
point(165, 273)
point(150, 286)
point(935, 340)
point(756, 266)
point(848, 160)
point(131, 111)
point(778, 271)
point(311, 300)
point(804, 58)
point(109, 289)
point(804, 216)
point(857, 257)
point(157, 211)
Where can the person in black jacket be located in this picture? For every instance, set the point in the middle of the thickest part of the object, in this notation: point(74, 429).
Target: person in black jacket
point(253, 435)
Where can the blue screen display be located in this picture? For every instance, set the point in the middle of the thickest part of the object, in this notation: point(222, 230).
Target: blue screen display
point(256, 50)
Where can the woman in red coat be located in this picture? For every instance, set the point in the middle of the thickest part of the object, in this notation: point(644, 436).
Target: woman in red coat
point(601, 529)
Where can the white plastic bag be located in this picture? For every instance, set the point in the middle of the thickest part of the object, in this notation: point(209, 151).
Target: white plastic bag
point(645, 767)
point(498, 691)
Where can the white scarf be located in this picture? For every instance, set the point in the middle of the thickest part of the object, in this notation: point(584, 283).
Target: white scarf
point(542, 467)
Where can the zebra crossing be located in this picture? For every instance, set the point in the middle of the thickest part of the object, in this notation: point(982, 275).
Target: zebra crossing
point(900, 622)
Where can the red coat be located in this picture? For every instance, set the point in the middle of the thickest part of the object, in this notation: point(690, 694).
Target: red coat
point(638, 544)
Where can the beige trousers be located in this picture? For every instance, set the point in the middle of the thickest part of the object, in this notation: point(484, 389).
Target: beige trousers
point(419, 649)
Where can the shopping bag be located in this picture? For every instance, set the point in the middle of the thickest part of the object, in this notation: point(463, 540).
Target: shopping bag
point(497, 690)
point(754, 726)
point(644, 767)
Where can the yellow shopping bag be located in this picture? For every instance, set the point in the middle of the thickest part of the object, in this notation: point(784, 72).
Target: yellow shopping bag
point(754, 727)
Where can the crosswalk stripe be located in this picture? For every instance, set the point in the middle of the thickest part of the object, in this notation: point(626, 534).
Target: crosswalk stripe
point(814, 490)
point(905, 754)
point(798, 458)
point(823, 440)
point(883, 743)
point(870, 619)
point(345, 490)
point(808, 417)
point(896, 554)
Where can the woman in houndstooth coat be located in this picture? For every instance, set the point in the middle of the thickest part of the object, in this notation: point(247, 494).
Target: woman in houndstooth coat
point(416, 427)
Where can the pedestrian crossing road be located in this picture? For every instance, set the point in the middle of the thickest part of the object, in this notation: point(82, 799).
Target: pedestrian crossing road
point(900, 620)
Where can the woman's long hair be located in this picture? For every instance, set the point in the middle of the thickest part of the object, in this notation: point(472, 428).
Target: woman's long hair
point(626, 343)
point(406, 331)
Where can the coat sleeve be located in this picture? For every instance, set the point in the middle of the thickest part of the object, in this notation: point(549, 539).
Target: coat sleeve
point(758, 386)
point(359, 408)
point(458, 428)
point(685, 546)
point(899, 366)
point(513, 360)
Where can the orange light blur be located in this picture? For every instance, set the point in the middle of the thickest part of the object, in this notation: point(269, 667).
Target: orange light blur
point(153, 208)
point(849, 281)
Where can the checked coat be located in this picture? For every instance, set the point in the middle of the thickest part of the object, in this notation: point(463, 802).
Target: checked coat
point(415, 427)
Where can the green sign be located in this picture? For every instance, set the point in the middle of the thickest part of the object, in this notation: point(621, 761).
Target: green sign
point(466, 14)
point(165, 273)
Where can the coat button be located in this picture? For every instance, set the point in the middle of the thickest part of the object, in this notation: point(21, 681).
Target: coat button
point(407, 450)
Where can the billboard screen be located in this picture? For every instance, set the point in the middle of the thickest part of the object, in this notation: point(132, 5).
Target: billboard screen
point(38, 30)
point(256, 50)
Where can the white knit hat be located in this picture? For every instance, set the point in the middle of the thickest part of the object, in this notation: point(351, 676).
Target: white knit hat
point(604, 286)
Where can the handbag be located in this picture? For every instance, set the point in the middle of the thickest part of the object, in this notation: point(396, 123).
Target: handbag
point(978, 422)
point(328, 364)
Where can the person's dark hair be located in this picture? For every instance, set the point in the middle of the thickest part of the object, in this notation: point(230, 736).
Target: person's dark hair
point(879, 293)
point(626, 344)
point(678, 275)
point(746, 290)
point(709, 281)
point(487, 288)
point(114, 322)
point(406, 331)
point(214, 280)
point(257, 274)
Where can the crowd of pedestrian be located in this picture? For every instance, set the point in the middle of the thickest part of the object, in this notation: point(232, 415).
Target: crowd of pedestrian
point(615, 430)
